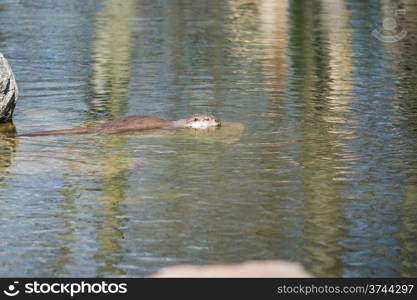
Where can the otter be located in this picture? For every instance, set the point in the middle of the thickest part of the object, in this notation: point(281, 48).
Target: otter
point(136, 123)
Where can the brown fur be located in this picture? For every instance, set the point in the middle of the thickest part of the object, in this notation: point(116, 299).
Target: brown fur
point(132, 123)
point(129, 123)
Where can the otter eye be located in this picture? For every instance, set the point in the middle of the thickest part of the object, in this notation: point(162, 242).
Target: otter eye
point(195, 119)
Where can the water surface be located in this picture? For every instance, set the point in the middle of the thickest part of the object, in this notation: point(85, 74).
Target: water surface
point(319, 165)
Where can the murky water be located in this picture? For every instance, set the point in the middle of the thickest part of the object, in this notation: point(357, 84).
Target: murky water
point(317, 165)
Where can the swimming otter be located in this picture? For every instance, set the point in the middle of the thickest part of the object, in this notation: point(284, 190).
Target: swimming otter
point(136, 123)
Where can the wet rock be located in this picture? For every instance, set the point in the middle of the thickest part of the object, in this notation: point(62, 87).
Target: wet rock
point(251, 269)
point(8, 91)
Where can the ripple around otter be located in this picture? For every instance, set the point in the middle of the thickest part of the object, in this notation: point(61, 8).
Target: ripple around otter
point(228, 133)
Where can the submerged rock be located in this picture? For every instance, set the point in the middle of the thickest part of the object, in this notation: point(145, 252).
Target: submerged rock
point(250, 269)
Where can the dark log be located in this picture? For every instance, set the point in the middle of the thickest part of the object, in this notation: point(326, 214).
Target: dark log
point(8, 91)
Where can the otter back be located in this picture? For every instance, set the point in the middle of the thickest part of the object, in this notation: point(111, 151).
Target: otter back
point(59, 132)
point(132, 123)
point(129, 123)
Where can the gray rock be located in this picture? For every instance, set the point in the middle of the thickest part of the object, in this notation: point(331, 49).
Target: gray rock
point(8, 91)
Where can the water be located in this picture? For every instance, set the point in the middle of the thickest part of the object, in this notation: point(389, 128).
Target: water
point(320, 166)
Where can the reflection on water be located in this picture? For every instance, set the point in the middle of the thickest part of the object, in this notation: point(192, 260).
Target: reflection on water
point(8, 146)
point(315, 161)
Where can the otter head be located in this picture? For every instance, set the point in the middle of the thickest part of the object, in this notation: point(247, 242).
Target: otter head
point(202, 121)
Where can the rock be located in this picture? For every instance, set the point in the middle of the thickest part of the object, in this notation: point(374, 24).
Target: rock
point(8, 91)
point(251, 269)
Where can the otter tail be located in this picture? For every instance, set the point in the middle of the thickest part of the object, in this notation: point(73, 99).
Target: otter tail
point(59, 132)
